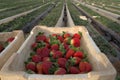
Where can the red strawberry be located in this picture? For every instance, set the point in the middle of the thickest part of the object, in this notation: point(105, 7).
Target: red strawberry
point(75, 42)
point(46, 59)
point(34, 45)
point(58, 54)
point(88, 67)
point(1, 48)
point(66, 35)
point(76, 35)
point(10, 39)
point(60, 38)
point(39, 68)
point(40, 38)
point(43, 52)
point(85, 67)
point(47, 40)
point(62, 62)
point(60, 71)
point(55, 47)
point(38, 51)
point(54, 35)
point(74, 70)
point(36, 58)
point(75, 60)
point(31, 66)
point(69, 53)
point(47, 45)
point(78, 54)
point(66, 46)
point(82, 67)
point(67, 40)
point(46, 65)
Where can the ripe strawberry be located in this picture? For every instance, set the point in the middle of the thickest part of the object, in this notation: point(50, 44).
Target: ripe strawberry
point(66, 46)
point(75, 42)
point(1, 48)
point(38, 51)
point(31, 66)
point(47, 45)
point(40, 38)
point(60, 71)
point(46, 59)
point(66, 35)
point(46, 65)
point(78, 54)
point(43, 52)
point(76, 35)
point(60, 38)
point(62, 62)
point(74, 60)
point(82, 67)
point(52, 52)
point(55, 47)
point(34, 46)
point(74, 70)
point(88, 67)
point(39, 68)
point(36, 58)
point(47, 40)
point(54, 35)
point(69, 53)
point(10, 39)
point(58, 54)
point(67, 40)
point(85, 67)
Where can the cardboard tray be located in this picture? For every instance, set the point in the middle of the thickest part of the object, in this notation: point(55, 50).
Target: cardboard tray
point(12, 47)
point(14, 69)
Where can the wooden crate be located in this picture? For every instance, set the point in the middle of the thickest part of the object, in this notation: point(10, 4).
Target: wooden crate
point(14, 69)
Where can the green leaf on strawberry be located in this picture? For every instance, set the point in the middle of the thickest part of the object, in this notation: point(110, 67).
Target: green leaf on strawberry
point(62, 49)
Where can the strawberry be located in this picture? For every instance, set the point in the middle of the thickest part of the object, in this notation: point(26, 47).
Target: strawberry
point(54, 35)
point(31, 66)
point(67, 40)
point(46, 59)
point(40, 38)
point(75, 42)
point(58, 54)
point(82, 67)
point(78, 54)
point(36, 58)
point(46, 65)
point(1, 48)
point(62, 62)
point(66, 35)
point(10, 39)
point(69, 53)
point(34, 46)
point(74, 60)
point(38, 51)
point(47, 40)
point(66, 46)
point(74, 70)
point(43, 52)
point(47, 45)
point(55, 47)
point(60, 38)
point(39, 68)
point(60, 71)
point(85, 67)
point(76, 35)
point(88, 67)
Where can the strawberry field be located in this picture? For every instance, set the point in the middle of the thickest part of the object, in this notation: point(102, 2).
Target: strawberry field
point(52, 52)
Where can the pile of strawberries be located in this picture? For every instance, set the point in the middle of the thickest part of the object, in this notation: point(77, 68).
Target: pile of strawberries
point(3, 45)
point(57, 54)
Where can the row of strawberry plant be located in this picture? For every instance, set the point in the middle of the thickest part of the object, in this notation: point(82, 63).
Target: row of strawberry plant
point(18, 23)
point(105, 21)
point(19, 9)
point(102, 43)
point(52, 18)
